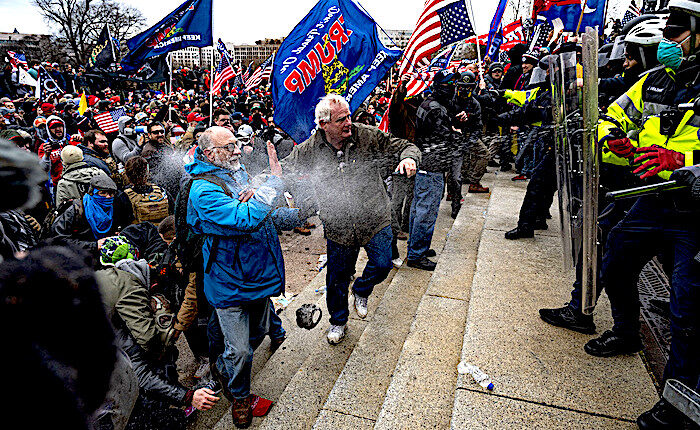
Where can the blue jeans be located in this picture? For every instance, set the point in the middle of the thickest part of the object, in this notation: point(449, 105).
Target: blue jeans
point(243, 328)
point(427, 193)
point(653, 225)
point(341, 266)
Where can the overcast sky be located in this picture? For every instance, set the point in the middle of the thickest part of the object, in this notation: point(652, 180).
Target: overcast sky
point(245, 21)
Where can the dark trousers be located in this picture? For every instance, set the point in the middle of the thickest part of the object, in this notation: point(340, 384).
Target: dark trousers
point(401, 198)
point(341, 267)
point(653, 225)
point(540, 192)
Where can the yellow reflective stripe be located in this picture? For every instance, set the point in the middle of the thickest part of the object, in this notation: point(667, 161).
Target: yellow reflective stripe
point(689, 158)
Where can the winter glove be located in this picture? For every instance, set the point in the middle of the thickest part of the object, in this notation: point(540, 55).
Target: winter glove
point(621, 147)
point(657, 159)
point(690, 177)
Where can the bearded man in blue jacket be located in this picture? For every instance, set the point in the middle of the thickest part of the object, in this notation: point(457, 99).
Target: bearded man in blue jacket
point(242, 253)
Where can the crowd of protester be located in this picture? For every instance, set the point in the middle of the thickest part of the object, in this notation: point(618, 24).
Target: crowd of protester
point(171, 221)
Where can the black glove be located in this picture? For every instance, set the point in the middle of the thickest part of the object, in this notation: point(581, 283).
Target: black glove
point(690, 177)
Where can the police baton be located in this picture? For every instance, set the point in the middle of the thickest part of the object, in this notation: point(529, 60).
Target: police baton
point(645, 190)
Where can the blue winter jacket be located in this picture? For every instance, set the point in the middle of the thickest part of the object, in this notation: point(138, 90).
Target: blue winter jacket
point(248, 264)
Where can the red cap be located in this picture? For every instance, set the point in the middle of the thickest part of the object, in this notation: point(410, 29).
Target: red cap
point(195, 116)
point(115, 99)
point(47, 107)
point(53, 122)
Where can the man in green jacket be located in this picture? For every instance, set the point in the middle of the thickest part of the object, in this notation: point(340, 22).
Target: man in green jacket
point(343, 160)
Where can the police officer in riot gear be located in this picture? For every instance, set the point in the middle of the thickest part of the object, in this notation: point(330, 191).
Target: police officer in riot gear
point(661, 141)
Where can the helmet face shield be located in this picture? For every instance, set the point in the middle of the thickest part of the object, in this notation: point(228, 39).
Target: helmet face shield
point(538, 76)
point(618, 49)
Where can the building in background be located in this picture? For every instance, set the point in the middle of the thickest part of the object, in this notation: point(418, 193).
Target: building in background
point(399, 38)
point(243, 54)
point(41, 47)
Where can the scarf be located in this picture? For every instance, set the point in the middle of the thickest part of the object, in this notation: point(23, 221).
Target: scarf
point(98, 212)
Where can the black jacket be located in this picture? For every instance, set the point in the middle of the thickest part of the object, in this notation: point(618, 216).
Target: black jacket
point(435, 137)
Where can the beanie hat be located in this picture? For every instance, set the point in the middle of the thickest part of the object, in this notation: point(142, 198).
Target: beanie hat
point(47, 107)
point(71, 155)
point(117, 248)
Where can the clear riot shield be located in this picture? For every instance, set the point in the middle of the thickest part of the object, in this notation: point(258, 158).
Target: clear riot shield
point(589, 60)
point(567, 132)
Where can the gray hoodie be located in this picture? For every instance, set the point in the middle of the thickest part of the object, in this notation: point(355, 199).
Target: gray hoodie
point(125, 147)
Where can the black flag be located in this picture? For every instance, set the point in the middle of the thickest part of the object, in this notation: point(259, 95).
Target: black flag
point(102, 55)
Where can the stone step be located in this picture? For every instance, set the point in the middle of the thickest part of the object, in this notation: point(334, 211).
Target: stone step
point(307, 394)
point(423, 380)
point(273, 372)
point(542, 376)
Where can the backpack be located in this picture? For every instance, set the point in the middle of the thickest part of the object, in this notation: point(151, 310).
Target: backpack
point(189, 244)
point(151, 207)
point(54, 213)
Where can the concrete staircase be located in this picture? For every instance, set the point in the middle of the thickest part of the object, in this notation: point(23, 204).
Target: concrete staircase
point(397, 369)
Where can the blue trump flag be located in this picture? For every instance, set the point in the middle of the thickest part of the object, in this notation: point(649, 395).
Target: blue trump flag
point(334, 49)
point(188, 25)
point(569, 11)
point(495, 36)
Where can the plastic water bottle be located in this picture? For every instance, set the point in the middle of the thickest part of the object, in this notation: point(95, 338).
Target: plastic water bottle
point(480, 377)
point(322, 261)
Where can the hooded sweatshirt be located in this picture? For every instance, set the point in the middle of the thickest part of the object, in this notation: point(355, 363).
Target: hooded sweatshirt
point(125, 147)
point(75, 181)
point(51, 161)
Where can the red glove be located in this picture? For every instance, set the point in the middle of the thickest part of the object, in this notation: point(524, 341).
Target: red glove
point(659, 158)
point(621, 147)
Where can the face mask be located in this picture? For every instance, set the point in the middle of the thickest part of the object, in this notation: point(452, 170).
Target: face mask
point(670, 53)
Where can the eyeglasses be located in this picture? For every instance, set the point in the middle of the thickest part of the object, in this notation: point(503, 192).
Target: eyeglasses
point(230, 147)
point(244, 140)
point(157, 131)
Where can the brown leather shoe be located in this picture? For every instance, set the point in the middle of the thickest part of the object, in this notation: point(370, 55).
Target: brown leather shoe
point(402, 235)
point(477, 188)
point(309, 225)
point(242, 413)
point(302, 231)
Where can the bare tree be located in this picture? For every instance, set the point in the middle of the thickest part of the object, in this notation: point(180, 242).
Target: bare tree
point(79, 22)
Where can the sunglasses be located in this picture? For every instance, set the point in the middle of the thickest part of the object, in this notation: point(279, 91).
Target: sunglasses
point(158, 132)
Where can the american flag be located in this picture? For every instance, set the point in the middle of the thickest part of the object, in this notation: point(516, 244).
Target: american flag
point(247, 72)
point(441, 23)
point(423, 79)
point(108, 121)
point(17, 59)
point(631, 13)
point(225, 70)
point(264, 71)
point(540, 34)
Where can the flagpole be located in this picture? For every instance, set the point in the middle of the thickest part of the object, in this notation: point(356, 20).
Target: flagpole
point(170, 88)
point(476, 37)
point(111, 43)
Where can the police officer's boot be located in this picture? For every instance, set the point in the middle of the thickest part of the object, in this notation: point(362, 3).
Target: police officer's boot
point(569, 318)
point(612, 343)
point(662, 416)
point(520, 232)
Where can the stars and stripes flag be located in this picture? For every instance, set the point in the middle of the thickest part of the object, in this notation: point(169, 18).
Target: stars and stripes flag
point(540, 35)
point(264, 71)
point(631, 13)
point(423, 79)
point(17, 59)
point(107, 121)
point(247, 72)
point(441, 23)
point(225, 70)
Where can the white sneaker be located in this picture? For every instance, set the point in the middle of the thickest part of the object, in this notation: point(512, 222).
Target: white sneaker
point(397, 262)
point(336, 333)
point(360, 305)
